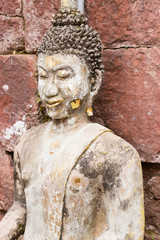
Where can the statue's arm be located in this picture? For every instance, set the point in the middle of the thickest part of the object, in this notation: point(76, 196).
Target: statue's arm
point(12, 225)
point(122, 188)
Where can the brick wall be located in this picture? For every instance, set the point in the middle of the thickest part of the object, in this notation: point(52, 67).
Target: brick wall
point(129, 100)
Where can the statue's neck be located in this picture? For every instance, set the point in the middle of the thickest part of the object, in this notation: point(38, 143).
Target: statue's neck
point(70, 124)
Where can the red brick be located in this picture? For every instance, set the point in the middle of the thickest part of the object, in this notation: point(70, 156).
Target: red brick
point(38, 15)
point(129, 101)
point(11, 7)
point(6, 183)
point(125, 23)
point(154, 186)
point(151, 175)
point(11, 34)
point(2, 213)
point(151, 236)
point(18, 93)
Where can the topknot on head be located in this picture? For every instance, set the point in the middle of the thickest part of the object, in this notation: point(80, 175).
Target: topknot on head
point(68, 16)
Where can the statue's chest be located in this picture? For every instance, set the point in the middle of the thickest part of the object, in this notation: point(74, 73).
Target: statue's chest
point(51, 187)
point(49, 177)
point(50, 168)
point(40, 158)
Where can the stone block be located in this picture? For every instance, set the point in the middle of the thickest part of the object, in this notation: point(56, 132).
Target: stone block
point(11, 8)
point(151, 174)
point(154, 186)
point(152, 236)
point(18, 93)
point(38, 15)
point(125, 23)
point(129, 99)
point(11, 34)
point(6, 182)
point(2, 213)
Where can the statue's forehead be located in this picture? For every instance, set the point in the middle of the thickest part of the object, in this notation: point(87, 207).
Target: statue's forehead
point(57, 60)
point(53, 61)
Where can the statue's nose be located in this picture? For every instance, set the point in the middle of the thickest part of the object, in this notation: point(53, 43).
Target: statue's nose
point(51, 90)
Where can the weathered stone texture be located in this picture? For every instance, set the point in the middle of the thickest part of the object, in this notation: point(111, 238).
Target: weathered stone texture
point(11, 7)
point(38, 15)
point(152, 236)
point(151, 173)
point(129, 100)
point(130, 96)
point(11, 34)
point(18, 94)
point(125, 23)
point(6, 183)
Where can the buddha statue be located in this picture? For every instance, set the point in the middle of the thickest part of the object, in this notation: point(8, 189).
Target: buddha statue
point(74, 180)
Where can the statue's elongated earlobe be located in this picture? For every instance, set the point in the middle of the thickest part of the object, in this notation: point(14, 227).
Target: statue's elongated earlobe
point(89, 112)
point(95, 83)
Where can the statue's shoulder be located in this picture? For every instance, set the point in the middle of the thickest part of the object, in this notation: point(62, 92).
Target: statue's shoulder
point(108, 151)
point(30, 135)
point(107, 139)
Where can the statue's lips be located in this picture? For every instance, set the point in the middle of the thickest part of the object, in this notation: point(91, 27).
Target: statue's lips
point(53, 103)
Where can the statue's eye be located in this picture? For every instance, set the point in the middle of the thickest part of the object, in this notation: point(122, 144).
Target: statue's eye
point(64, 74)
point(43, 74)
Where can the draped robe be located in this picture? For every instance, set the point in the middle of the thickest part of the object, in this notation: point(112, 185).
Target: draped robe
point(45, 171)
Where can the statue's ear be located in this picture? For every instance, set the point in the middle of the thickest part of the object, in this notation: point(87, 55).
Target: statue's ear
point(96, 82)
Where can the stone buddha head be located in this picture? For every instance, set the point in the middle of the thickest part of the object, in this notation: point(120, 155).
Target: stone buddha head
point(69, 65)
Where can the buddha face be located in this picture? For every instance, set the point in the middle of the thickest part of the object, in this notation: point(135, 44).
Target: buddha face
point(63, 84)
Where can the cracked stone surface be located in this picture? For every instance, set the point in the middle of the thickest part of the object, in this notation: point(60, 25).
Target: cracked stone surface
point(151, 174)
point(38, 15)
point(11, 34)
point(19, 111)
point(6, 183)
point(129, 91)
point(11, 7)
point(129, 99)
point(125, 23)
point(18, 94)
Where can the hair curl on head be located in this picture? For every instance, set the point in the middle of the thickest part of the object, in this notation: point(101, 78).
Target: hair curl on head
point(70, 34)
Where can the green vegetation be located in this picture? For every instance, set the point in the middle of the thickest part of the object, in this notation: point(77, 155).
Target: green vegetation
point(42, 109)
